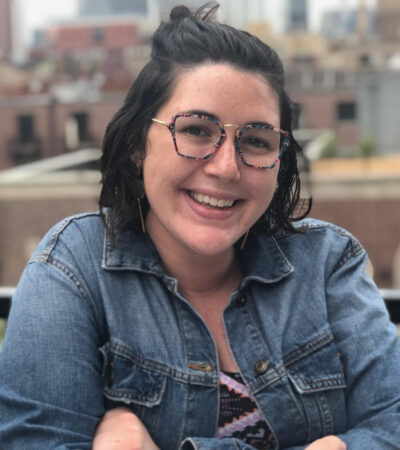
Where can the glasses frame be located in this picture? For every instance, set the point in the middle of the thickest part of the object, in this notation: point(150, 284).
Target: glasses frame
point(239, 132)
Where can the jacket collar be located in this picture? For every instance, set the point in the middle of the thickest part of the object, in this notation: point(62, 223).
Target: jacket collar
point(261, 260)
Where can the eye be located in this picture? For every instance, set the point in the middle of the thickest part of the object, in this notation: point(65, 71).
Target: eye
point(196, 128)
point(195, 131)
point(259, 140)
point(255, 142)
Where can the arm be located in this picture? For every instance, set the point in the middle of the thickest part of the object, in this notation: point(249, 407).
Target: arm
point(120, 429)
point(326, 443)
point(50, 380)
point(370, 353)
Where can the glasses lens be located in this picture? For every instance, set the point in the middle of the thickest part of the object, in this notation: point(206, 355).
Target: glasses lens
point(259, 145)
point(196, 137)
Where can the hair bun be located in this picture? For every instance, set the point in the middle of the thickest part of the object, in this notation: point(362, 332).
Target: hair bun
point(179, 13)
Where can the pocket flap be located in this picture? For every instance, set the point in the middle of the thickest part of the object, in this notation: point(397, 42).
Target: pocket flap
point(128, 378)
point(316, 366)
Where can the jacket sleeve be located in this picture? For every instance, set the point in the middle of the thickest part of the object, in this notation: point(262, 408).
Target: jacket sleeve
point(50, 370)
point(369, 348)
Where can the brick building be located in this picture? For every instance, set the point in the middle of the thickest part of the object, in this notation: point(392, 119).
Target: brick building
point(328, 100)
point(41, 126)
point(367, 205)
point(68, 38)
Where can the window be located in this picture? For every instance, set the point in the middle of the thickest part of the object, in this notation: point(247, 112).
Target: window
point(82, 121)
point(346, 111)
point(26, 129)
point(98, 35)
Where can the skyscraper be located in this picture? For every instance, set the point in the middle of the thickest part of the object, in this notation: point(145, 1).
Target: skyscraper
point(5, 29)
point(167, 5)
point(90, 8)
point(296, 15)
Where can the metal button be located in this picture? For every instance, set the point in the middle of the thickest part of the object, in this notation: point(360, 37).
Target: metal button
point(206, 367)
point(260, 366)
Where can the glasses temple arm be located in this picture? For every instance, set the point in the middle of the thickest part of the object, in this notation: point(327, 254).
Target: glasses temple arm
point(161, 122)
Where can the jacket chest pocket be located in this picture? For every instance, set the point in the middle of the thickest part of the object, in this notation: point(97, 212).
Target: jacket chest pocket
point(317, 380)
point(131, 381)
point(127, 381)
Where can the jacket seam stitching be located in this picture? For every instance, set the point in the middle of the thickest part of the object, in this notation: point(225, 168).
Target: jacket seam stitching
point(59, 230)
point(308, 348)
point(74, 279)
point(157, 367)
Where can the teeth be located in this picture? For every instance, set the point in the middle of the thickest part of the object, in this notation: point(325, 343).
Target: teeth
point(219, 203)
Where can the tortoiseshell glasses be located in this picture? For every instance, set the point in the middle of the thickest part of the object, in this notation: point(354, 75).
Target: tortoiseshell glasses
point(198, 136)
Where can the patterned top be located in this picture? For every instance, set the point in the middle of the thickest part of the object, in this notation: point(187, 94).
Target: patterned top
point(239, 416)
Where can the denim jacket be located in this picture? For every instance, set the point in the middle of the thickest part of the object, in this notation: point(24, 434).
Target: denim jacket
point(95, 326)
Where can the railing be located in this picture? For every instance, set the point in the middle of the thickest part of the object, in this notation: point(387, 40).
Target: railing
point(391, 297)
point(5, 300)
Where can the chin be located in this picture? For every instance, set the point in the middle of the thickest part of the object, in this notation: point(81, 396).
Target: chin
point(211, 247)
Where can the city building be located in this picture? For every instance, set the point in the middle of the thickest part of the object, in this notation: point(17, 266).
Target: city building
point(241, 13)
point(337, 24)
point(69, 38)
point(388, 19)
point(6, 40)
point(114, 47)
point(165, 6)
point(34, 198)
point(296, 15)
point(282, 16)
point(328, 101)
point(40, 126)
point(147, 10)
point(378, 96)
point(89, 8)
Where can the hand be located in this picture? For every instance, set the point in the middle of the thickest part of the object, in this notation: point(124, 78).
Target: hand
point(327, 443)
point(120, 429)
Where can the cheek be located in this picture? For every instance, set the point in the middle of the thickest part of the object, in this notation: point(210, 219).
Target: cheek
point(265, 188)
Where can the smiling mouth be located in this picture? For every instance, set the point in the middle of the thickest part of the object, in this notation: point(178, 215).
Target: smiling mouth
point(211, 202)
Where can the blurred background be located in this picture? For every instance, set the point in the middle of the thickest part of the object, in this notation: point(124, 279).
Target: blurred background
point(65, 68)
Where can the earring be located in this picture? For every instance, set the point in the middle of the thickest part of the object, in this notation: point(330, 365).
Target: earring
point(139, 197)
point(141, 215)
point(244, 239)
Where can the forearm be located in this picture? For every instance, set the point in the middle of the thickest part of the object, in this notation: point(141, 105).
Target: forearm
point(50, 370)
point(370, 354)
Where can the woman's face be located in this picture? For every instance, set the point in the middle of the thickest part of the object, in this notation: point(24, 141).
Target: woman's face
point(180, 214)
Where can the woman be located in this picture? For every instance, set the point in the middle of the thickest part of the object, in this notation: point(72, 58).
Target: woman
point(193, 312)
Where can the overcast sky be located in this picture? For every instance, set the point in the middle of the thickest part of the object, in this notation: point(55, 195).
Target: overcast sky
point(32, 14)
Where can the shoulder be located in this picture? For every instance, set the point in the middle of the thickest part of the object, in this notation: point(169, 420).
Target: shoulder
point(319, 241)
point(74, 235)
point(317, 230)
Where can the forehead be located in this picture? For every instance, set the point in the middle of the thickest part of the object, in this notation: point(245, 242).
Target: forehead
point(231, 94)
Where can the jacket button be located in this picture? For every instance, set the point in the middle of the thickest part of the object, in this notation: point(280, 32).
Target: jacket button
point(241, 301)
point(260, 366)
point(206, 367)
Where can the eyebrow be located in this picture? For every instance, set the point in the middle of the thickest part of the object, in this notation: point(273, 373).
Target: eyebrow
point(201, 112)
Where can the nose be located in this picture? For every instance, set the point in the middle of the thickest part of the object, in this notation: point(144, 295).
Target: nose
point(225, 162)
